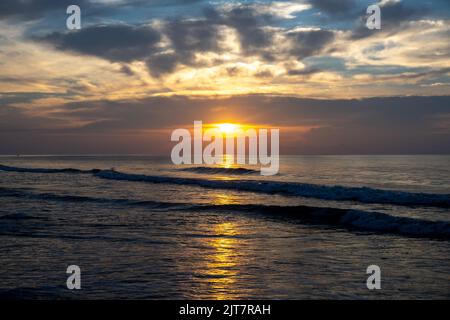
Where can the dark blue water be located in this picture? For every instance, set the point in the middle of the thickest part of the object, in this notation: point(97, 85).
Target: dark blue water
point(139, 227)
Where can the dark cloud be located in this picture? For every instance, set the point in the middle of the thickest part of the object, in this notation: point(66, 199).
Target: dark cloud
point(15, 121)
point(125, 43)
point(187, 37)
point(429, 74)
point(310, 42)
point(250, 27)
point(233, 71)
point(366, 126)
point(333, 6)
point(335, 12)
point(394, 16)
point(264, 74)
point(7, 98)
point(395, 12)
point(34, 9)
point(304, 72)
point(117, 43)
point(126, 70)
point(160, 64)
point(190, 36)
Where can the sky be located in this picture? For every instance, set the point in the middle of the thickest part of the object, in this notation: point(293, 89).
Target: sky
point(136, 70)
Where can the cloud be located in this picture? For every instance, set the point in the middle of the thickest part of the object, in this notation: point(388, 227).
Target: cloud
point(365, 126)
point(399, 11)
point(160, 64)
point(333, 6)
point(190, 36)
point(264, 74)
point(250, 26)
point(127, 70)
point(304, 72)
point(394, 16)
point(411, 76)
point(141, 48)
point(187, 38)
point(309, 42)
point(34, 9)
point(117, 43)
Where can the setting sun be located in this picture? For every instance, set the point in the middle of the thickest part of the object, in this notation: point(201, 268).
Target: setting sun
point(227, 128)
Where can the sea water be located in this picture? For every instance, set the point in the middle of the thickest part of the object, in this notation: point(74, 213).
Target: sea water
point(140, 227)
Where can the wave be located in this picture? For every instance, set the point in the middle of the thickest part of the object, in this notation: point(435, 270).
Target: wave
point(351, 219)
point(355, 220)
point(335, 193)
point(24, 193)
point(216, 170)
point(46, 170)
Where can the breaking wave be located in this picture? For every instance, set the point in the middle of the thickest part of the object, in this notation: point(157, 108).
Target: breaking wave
point(350, 219)
point(336, 193)
point(218, 170)
point(46, 170)
point(324, 192)
point(356, 220)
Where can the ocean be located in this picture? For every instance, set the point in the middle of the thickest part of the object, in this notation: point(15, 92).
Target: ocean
point(140, 227)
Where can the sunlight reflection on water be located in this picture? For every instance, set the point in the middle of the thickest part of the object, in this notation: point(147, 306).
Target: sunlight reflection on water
point(221, 266)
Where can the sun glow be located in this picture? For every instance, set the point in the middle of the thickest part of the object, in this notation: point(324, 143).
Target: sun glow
point(227, 128)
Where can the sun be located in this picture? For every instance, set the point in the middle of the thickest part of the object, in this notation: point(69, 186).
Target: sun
point(227, 128)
